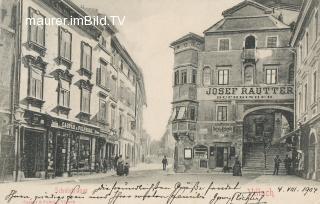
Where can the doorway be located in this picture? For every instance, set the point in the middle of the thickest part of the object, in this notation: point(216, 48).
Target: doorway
point(220, 156)
point(33, 158)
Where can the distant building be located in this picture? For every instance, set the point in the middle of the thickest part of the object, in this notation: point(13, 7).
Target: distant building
point(305, 139)
point(233, 91)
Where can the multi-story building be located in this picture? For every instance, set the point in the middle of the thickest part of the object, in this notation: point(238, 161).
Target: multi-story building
point(305, 139)
point(7, 57)
point(71, 91)
point(233, 91)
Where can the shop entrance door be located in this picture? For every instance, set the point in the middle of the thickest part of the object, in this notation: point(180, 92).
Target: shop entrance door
point(61, 155)
point(33, 158)
point(212, 163)
point(220, 156)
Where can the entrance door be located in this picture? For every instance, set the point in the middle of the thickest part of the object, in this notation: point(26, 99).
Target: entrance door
point(212, 163)
point(33, 159)
point(220, 153)
point(61, 155)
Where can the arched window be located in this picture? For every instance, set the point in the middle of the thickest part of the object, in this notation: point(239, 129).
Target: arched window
point(250, 42)
point(248, 75)
point(206, 79)
point(291, 74)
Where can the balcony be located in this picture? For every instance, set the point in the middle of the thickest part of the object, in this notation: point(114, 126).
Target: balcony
point(249, 55)
point(183, 126)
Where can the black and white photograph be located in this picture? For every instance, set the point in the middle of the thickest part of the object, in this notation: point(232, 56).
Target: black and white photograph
point(159, 101)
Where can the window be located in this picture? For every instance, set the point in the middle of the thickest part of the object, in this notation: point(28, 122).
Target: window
point(314, 87)
point(206, 76)
point(64, 43)
point(250, 42)
point(305, 97)
point(176, 77)
point(291, 74)
point(85, 100)
point(113, 117)
point(301, 53)
point(102, 74)
point(259, 128)
point(248, 75)
point(36, 83)
point(223, 77)
point(222, 113)
point(103, 110)
point(224, 44)
point(187, 153)
point(64, 93)
point(184, 76)
point(36, 28)
point(307, 43)
point(103, 41)
point(271, 76)
point(194, 76)
point(272, 41)
point(181, 112)
point(316, 26)
point(192, 112)
point(86, 56)
point(300, 103)
point(121, 123)
point(121, 64)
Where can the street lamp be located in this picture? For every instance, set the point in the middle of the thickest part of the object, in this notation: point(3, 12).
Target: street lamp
point(18, 116)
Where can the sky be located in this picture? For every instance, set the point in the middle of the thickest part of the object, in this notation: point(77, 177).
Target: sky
point(149, 28)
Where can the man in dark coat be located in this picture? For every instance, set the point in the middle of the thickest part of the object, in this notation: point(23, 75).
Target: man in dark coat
point(277, 162)
point(164, 163)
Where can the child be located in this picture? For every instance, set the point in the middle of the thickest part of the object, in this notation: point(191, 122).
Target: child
point(126, 169)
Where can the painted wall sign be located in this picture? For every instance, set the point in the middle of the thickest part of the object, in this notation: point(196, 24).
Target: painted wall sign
point(247, 93)
point(74, 126)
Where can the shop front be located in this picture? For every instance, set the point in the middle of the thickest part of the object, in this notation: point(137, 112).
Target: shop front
point(71, 148)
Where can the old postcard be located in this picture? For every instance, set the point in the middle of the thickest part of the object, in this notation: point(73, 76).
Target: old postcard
point(159, 101)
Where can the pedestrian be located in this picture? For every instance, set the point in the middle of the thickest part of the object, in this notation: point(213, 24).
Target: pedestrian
point(126, 168)
point(237, 167)
point(120, 166)
point(164, 163)
point(105, 165)
point(287, 163)
point(277, 162)
point(115, 162)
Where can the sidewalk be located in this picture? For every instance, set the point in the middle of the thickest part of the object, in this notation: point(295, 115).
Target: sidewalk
point(139, 167)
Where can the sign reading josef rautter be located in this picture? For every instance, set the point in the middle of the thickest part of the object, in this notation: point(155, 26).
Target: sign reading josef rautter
point(247, 93)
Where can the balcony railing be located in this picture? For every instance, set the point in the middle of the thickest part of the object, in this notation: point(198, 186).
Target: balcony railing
point(249, 54)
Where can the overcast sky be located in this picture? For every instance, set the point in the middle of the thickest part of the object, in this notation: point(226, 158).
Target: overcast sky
point(149, 27)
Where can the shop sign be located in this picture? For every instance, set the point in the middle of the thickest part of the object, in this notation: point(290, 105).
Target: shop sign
point(222, 129)
point(74, 126)
point(247, 93)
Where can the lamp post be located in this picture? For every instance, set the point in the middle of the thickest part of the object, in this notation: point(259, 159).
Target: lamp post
point(18, 116)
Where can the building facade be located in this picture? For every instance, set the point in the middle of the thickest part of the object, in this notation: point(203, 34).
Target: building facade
point(7, 57)
point(233, 91)
point(70, 89)
point(305, 139)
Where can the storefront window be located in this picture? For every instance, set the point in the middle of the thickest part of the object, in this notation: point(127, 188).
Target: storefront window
point(84, 154)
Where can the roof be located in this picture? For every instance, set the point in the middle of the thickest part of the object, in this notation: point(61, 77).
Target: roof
point(188, 37)
point(242, 4)
point(286, 4)
point(243, 23)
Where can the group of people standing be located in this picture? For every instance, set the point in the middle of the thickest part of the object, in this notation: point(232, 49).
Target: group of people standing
point(116, 163)
point(287, 163)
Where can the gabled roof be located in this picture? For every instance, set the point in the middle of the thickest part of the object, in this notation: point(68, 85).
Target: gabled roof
point(246, 23)
point(188, 37)
point(245, 3)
